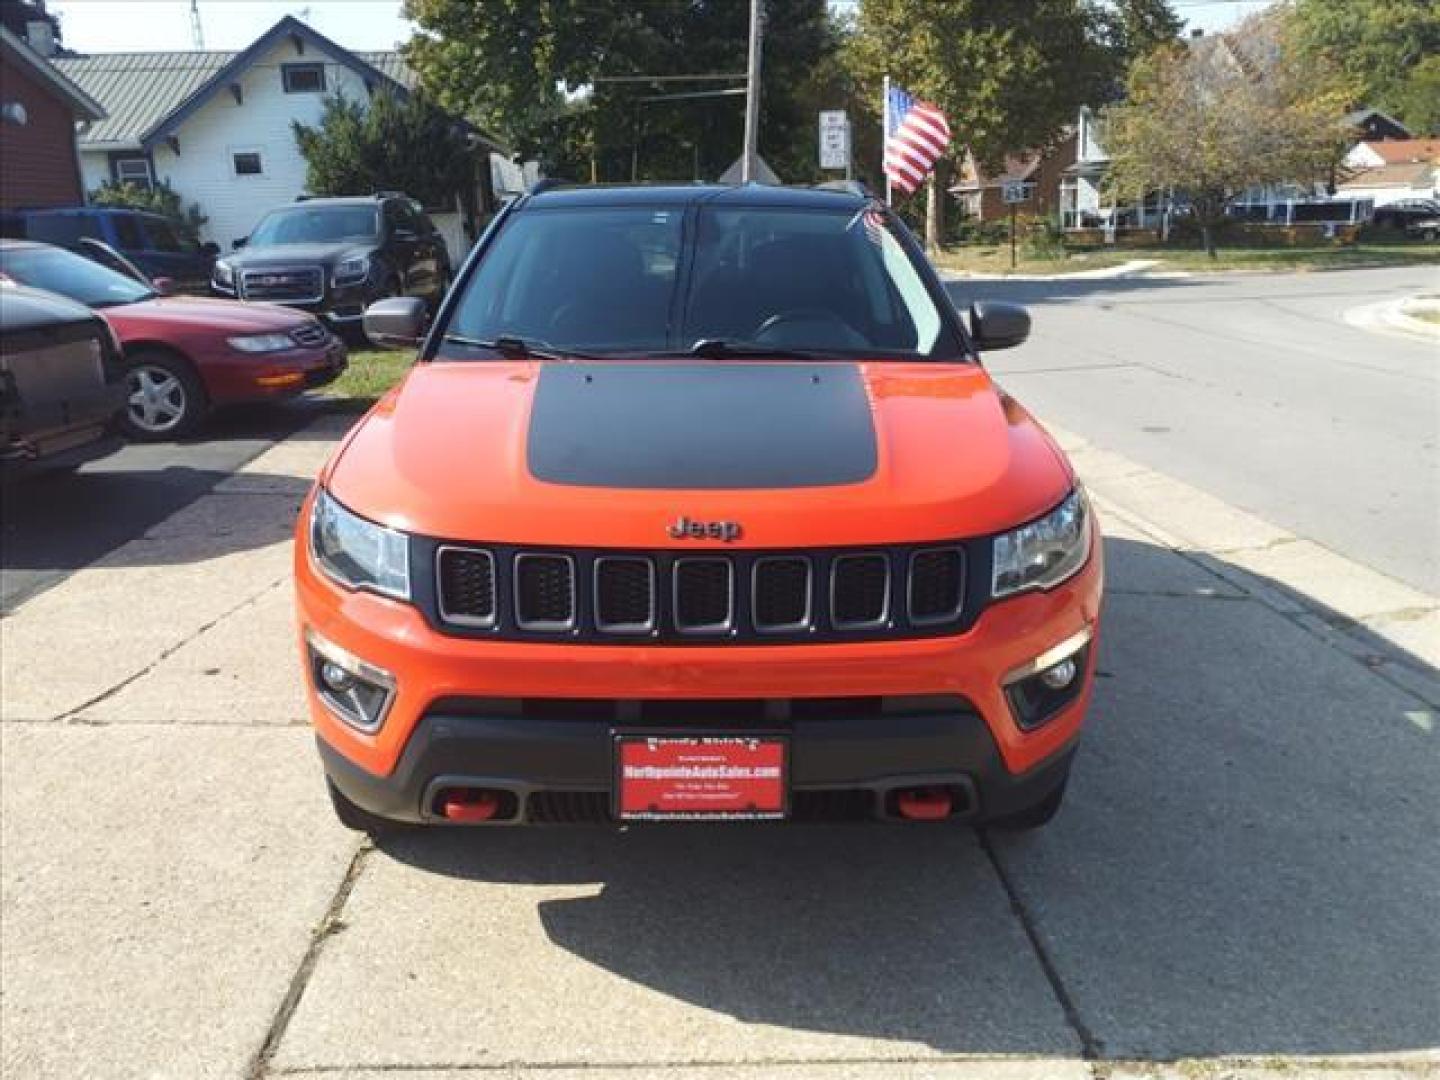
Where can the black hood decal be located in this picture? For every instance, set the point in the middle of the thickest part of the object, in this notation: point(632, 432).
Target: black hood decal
point(701, 425)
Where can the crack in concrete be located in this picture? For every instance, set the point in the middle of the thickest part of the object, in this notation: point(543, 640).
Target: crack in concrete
point(73, 715)
point(1091, 1048)
point(330, 924)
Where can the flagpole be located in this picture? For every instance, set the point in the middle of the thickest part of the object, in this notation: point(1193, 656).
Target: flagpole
point(885, 135)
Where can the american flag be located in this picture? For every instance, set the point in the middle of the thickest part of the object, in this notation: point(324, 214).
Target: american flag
point(916, 135)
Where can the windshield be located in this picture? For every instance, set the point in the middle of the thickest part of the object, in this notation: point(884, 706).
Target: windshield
point(70, 275)
point(316, 224)
point(613, 280)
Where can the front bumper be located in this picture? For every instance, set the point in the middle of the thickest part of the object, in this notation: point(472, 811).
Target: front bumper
point(453, 711)
point(234, 377)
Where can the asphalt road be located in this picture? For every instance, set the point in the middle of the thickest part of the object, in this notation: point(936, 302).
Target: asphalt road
point(1253, 388)
point(53, 524)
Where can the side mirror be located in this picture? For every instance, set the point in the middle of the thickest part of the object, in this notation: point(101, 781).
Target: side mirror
point(997, 325)
point(399, 320)
point(210, 249)
point(163, 286)
point(236, 245)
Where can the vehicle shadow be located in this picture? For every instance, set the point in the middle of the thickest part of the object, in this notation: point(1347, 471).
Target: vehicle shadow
point(1246, 865)
point(55, 523)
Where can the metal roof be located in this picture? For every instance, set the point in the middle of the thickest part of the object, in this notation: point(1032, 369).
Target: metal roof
point(141, 90)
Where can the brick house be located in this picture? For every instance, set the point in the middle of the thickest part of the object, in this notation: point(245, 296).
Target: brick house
point(980, 194)
point(39, 108)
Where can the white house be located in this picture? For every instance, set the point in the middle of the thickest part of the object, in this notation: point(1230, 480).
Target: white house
point(1390, 170)
point(216, 126)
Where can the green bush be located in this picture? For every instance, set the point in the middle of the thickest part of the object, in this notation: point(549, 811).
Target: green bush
point(160, 199)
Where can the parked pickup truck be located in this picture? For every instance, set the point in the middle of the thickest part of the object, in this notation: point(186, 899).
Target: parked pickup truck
point(62, 383)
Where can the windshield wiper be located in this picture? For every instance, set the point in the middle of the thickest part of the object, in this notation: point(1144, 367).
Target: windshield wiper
point(725, 349)
point(519, 347)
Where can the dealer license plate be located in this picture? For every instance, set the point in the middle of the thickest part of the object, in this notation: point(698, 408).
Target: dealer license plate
point(700, 777)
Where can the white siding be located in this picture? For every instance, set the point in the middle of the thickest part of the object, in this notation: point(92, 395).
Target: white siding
point(94, 169)
point(203, 172)
point(1384, 196)
point(1361, 156)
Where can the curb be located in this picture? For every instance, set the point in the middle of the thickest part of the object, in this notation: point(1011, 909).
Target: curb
point(1394, 317)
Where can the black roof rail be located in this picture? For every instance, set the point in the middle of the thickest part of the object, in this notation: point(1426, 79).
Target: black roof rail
point(851, 187)
point(391, 195)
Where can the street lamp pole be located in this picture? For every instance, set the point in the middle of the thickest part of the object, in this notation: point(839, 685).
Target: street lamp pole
point(752, 94)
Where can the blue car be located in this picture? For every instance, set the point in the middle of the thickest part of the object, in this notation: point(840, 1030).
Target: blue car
point(149, 241)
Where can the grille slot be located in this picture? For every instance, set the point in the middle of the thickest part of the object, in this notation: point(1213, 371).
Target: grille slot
point(780, 599)
point(860, 590)
point(545, 592)
point(937, 585)
point(466, 586)
point(624, 595)
point(704, 595)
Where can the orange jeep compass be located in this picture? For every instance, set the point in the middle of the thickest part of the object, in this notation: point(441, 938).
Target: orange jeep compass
point(697, 505)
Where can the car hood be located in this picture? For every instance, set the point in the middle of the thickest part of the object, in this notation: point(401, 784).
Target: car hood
point(296, 255)
point(610, 454)
point(199, 313)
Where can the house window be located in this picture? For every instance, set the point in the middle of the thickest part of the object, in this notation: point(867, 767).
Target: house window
point(133, 170)
point(247, 163)
point(303, 78)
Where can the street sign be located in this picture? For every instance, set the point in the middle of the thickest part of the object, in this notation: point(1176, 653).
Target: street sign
point(834, 139)
point(1015, 191)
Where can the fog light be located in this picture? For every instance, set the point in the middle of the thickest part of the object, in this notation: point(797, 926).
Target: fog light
point(358, 693)
point(336, 678)
point(1041, 689)
point(1059, 676)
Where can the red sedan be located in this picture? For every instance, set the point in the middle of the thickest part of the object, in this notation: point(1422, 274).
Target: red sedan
point(185, 354)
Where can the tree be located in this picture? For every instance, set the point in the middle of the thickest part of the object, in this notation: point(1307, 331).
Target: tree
point(409, 145)
point(528, 70)
point(1211, 122)
point(1130, 29)
point(1387, 47)
point(1007, 76)
point(159, 198)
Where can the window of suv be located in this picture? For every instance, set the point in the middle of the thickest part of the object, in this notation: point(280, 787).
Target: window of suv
point(163, 236)
point(63, 230)
point(316, 224)
point(610, 280)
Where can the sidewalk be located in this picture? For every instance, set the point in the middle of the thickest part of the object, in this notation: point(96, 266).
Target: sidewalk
point(1242, 882)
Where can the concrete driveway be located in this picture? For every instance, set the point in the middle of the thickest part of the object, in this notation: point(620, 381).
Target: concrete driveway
point(1242, 883)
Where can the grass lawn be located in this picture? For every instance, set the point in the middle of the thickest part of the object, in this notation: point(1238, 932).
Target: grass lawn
point(993, 259)
point(371, 373)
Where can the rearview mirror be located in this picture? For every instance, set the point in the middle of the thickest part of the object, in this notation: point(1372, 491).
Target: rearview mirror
point(163, 286)
point(399, 320)
point(238, 244)
point(997, 325)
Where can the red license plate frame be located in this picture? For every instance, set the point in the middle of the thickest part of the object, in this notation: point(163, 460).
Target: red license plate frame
point(710, 776)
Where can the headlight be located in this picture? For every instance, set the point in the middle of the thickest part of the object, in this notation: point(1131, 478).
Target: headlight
point(1045, 552)
point(258, 343)
point(350, 271)
point(358, 553)
point(223, 274)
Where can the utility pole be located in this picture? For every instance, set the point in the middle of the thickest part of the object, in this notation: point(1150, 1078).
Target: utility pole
point(752, 93)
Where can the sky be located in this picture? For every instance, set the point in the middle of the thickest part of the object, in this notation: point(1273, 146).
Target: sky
point(92, 26)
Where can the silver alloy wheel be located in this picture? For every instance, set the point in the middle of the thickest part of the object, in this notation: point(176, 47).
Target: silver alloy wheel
point(157, 399)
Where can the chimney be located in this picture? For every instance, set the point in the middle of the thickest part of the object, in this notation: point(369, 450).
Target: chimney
point(40, 36)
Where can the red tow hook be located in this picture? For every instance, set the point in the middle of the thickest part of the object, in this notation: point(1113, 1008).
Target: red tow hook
point(469, 804)
point(924, 804)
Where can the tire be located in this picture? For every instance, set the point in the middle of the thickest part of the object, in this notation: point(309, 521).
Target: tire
point(164, 396)
point(1037, 814)
point(358, 819)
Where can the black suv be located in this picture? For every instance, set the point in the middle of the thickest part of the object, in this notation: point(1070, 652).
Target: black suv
point(334, 256)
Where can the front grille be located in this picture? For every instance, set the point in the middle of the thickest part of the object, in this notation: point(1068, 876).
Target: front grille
point(545, 592)
point(310, 335)
point(285, 285)
point(670, 597)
